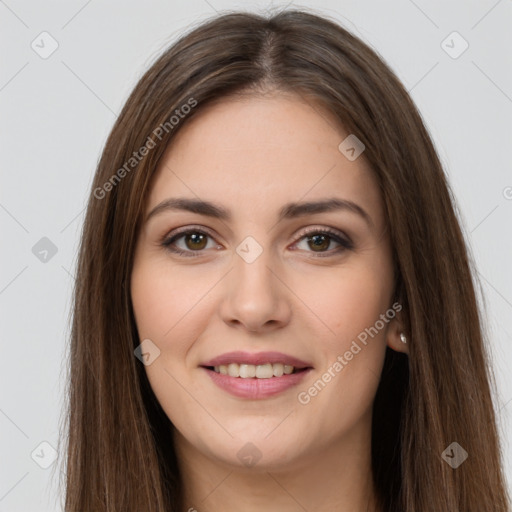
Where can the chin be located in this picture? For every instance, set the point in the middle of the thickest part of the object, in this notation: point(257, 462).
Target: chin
point(255, 453)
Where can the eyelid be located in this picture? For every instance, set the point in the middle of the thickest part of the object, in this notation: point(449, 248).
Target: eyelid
point(325, 229)
point(186, 229)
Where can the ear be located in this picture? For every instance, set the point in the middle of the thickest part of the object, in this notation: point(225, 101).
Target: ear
point(396, 338)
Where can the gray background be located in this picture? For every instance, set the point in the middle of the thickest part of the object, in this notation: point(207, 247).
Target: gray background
point(55, 116)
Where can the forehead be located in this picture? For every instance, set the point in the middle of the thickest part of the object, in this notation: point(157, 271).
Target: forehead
point(263, 151)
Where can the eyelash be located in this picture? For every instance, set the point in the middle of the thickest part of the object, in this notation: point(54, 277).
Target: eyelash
point(345, 243)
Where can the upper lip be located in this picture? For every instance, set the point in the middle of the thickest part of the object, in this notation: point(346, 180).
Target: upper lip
point(258, 358)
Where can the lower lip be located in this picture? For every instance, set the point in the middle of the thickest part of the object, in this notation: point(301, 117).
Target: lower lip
point(254, 388)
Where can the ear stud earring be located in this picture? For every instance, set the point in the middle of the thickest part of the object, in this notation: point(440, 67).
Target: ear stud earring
point(403, 339)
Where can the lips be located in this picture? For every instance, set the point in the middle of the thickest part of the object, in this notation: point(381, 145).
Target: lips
point(256, 376)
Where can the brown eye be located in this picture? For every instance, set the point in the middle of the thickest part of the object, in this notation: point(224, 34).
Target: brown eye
point(191, 242)
point(320, 242)
point(195, 241)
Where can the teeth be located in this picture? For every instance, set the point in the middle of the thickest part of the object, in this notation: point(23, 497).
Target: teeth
point(278, 369)
point(264, 371)
point(260, 371)
point(248, 371)
point(234, 370)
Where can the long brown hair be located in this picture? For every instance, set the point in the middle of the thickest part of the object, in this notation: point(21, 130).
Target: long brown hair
point(119, 449)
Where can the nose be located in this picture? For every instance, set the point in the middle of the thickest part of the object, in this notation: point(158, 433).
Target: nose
point(255, 296)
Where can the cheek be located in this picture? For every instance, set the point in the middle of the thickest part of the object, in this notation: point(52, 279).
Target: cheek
point(170, 310)
point(351, 335)
point(166, 301)
point(345, 302)
point(353, 349)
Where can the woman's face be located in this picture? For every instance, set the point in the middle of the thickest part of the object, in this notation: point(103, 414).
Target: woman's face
point(252, 271)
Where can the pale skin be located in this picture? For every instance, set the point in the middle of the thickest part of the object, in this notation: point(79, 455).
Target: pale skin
point(252, 155)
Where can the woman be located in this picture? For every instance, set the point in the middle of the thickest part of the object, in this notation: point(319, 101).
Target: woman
point(274, 306)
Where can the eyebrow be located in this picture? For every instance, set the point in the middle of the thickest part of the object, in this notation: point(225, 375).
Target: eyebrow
point(288, 211)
